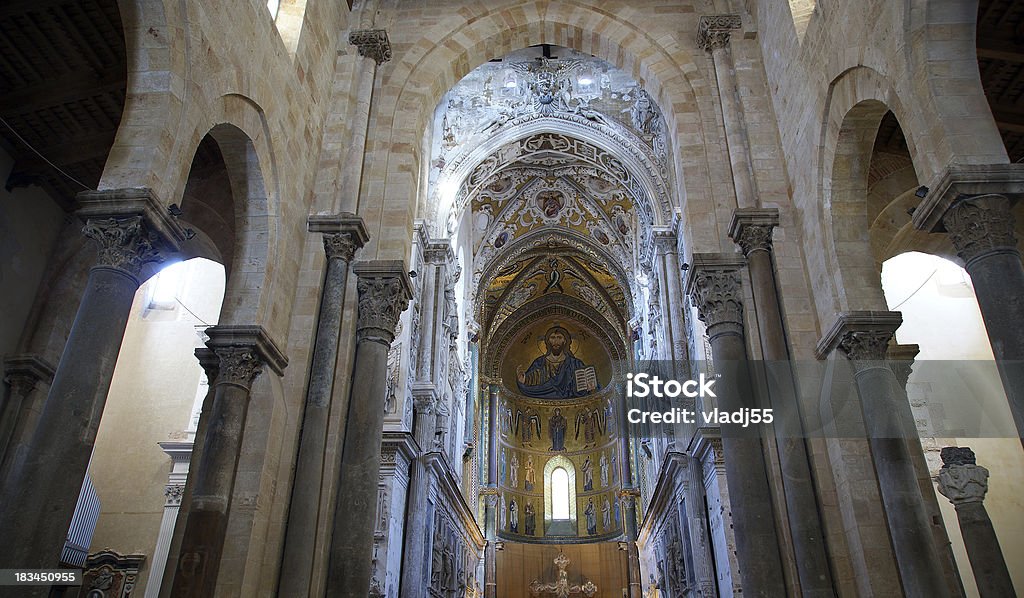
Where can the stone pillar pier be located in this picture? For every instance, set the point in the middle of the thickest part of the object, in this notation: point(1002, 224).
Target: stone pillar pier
point(972, 204)
point(132, 229)
point(751, 229)
point(384, 292)
point(713, 35)
point(722, 532)
point(243, 352)
point(864, 338)
point(703, 568)
point(965, 484)
point(715, 288)
point(22, 373)
point(343, 235)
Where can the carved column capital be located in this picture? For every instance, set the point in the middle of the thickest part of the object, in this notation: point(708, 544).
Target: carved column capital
point(961, 479)
point(241, 352)
point(901, 361)
point(344, 234)
point(372, 43)
point(131, 226)
point(24, 372)
point(863, 336)
point(173, 494)
point(714, 31)
point(980, 225)
point(124, 243)
point(715, 289)
point(752, 228)
point(384, 293)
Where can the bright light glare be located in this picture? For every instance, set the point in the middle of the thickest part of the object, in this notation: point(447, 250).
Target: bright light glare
point(168, 283)
point(559, 493)
point(586, 80)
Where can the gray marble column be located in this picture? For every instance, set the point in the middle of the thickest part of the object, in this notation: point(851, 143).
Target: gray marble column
point(965, 484)
point(971, 203)
point(343, 235)
point(22, 373)
point(131, 229)
point(243, 352)
point(864, 338)
point(384, 292)
point(751, 229)
point(715, 288)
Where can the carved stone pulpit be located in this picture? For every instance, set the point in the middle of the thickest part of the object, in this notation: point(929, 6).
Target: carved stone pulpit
point(561, 587)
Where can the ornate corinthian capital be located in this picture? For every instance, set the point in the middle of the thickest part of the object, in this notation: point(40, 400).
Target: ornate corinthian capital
point(124, 243)
point(238, 366)
point(751, 228)
point(961, 480)
point(344, 234)
point(715, 289)
point(384, 293)
point(979, 225)
point(863, 336)
point(372, 43)
point(241, 352)
point(713, 31)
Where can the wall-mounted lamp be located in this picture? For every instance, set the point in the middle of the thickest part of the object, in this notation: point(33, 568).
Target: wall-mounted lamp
point(921, 192)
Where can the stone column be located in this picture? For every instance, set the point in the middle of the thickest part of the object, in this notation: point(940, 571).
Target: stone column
point(374, 49)
point(972, 204)
point(703, 569)
point(751, 229)
point(715, 289)
point(864, 338)
point(713, 35)
point(721, 532)
point(384, 292)
point(343, 235)
point(965, 484)
point(243, 352)
point(22, 373)
point(416, 557)
point(132, 230)
point(490, 493)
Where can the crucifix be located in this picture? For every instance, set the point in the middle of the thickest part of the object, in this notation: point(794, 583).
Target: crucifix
point(561, 587)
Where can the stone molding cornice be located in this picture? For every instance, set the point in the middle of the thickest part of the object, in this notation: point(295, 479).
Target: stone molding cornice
point(960, 181)
point(860, 335)
point(752, 228)
point(438, 252)
point(384, 293)
point(372, 43)
point(344, 234)
point(673, 474)
point(714, 31)
point(449, 488)
point(665, 240)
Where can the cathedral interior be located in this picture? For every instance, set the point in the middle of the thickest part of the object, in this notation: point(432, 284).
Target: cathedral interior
point(317, 298)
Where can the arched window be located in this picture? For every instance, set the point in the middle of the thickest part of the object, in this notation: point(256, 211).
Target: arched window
point(560, 493)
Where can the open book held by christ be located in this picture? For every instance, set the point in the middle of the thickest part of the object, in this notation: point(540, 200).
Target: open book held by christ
point(558, 374)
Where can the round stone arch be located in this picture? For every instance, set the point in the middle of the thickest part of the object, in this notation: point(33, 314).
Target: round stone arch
point(419, 78)
point(142, 149)
point(943, 61)
point(240, 132)
point(856, 103)
point(559, 461)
